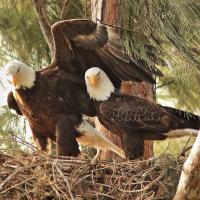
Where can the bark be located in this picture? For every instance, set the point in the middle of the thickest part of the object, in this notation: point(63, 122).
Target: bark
point(99, 7)
point(44, 22)
point(189, 184)
point(107, 11)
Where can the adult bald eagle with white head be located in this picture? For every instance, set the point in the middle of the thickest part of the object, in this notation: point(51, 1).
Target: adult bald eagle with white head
point(133, 118)
point(54, 99)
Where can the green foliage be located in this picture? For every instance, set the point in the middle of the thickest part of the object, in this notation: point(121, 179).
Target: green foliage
point(173, 146)
point(58, 10)
point(21, 37)
point(10, 126)
point(172, 29)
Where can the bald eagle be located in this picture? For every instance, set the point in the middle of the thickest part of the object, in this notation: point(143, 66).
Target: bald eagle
point(133, 118)
point(54, 99)
point(84, 133)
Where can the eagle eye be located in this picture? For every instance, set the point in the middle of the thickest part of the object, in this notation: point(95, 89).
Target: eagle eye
point(98, 74)
point(18, 69)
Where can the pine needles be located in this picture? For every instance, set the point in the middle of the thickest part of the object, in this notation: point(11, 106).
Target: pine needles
point(172, 30)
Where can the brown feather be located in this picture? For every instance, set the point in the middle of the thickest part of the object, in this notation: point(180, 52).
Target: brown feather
point(77, 42)
point(136, 119)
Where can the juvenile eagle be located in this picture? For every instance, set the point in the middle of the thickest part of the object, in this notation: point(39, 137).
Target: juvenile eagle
point(133, 118)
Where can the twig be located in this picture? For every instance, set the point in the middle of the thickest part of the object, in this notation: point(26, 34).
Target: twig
point(63, 9)
point(184, 149)
point(114, 26)
point(66, 181)
point(15, 173)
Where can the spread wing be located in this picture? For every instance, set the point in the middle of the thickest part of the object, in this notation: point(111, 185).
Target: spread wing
point(12, 104)
point(81, 44)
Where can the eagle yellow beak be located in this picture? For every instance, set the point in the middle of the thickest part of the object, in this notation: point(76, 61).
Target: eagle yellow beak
point(14, 81)
point(93, 80)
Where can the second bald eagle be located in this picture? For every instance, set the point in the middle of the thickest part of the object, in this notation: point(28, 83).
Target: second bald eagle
point(133, 118)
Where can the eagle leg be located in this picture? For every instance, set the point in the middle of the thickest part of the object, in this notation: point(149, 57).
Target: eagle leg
point(66, 143)
point(97, 156)
point(133, 146)
point(40, 141)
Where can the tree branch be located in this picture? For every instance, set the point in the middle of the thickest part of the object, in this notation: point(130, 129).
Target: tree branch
point(189, 184)
point(44, 22)
point(63, 9)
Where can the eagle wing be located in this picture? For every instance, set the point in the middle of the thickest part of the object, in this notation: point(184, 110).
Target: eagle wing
point(136, 115)
point(12, 104)
point(85, 44)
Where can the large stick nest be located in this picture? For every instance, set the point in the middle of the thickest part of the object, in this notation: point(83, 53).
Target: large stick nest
point(34, 176)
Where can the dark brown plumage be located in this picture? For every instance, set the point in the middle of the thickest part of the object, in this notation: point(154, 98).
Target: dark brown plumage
point(54, 112)
point(55, 100)
point(81, 44)
point(12, 103)
point(136, 120)
point(133, 118)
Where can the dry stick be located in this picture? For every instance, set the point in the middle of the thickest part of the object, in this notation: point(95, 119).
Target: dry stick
point(144, 188)
point(114, 26)
point(15, 173)
point(103, 194)
point(66, 181)
point(66, 197)
point(56, 191)
point(14, 186)
point(83, 179)
point(184, 149)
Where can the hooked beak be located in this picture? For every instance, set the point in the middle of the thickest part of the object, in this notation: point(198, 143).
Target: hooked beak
point(14, 81)
point(93, 80)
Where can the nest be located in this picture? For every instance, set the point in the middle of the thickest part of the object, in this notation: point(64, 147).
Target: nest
point(33, 176)
point(30, 174)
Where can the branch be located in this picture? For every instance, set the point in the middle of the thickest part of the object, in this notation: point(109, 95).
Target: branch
point(189, 184)
point(167, 83)
point(63, 9)
point(44, 22)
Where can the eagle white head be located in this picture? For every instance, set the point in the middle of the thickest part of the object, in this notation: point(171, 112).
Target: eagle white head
point(99, 86)
point(22, 75)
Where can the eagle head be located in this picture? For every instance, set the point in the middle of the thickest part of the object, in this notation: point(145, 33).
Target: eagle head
point(99, 86)
point(22, 75)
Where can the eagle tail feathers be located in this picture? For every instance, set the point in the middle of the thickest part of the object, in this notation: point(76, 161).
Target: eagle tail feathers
point(99, 141)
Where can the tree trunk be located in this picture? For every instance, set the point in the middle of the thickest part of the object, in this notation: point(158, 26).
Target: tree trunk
point(189, 184)
point(107, 11)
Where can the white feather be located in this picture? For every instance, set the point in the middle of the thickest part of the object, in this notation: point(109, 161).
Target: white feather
point(24, 75)
point(104, 87)
point(93, 138)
